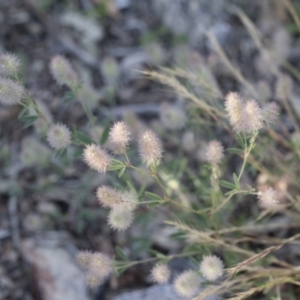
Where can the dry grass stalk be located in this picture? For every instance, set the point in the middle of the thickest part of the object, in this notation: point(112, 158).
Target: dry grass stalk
point(171, 81)
point(291, 9)
point(251, 260)
point(233, 69)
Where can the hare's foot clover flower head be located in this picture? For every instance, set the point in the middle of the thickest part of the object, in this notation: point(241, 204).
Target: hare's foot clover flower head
point(187, 284)
point(214, 152)
point(270, 113)
point(252, 117)
point(129, 200)
point(268, 198)
point(108, 197)
point(96, 158)
point(83, 258)
point(211, 267)
point(120, 218)
point(59, 136)
point(11, 92)
point(63, 72)
point(160, 273)
point(98, 266)
point(150, 148)
point(119, 137)
point(234, 108)
point(9, 64)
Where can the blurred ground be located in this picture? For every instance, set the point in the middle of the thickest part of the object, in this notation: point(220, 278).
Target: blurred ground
point(46, 206)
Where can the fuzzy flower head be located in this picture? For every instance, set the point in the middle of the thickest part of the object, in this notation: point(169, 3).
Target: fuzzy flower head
point(99, 268)
point(9, 64)
point(244, 116)
point(129, 200)
point(83, 258)
point(59, 136)
point(234, 107)
point(268, 198)
point(187, 284)
point(270, 113)
point(214, 152)
point(252, 117)
point(211, 267)
point(150, 148)
point(108, 197)
point(119, 137)
point(94, 279)
point(100, 263)
point(120, 219)
point(96, 158)
point(11, 92)
point(172, 116)
point(160, 273)
point(63, 72)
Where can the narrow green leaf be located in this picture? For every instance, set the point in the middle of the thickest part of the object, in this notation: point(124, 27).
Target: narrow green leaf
point(116, 165)
point(227, 184)
point(153, 196)
point(236, 181)
point(240, 141)
point(22, 112)
point(121, 253)
point(154, 203)
point(83, 138)
point(122, 172)
point(105, 135)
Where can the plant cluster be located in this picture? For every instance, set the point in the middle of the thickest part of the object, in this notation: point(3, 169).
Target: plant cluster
point(223, 262)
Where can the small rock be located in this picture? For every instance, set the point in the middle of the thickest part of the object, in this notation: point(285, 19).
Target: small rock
point(55, 272)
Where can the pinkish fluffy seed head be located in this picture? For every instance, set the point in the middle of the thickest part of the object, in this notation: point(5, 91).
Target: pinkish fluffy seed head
point(252, 117)
point(100, 264)
point(160, 273)
point(214, 152)
point(211, 267)
point(270, 113)
point(120, 219)
point(268, 199)
point(11, 92)
point(63, 72)
point(234, 107)
point(9, 64)
point(93, 279)
point(83, 258)
point(96, 158)
point(129, 201)
point(59, 136)
point(108, 197)
point(150, 148)
point(187, 284)
point(119, 137)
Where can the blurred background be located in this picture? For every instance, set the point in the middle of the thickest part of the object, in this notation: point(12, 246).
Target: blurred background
point(48, 208)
